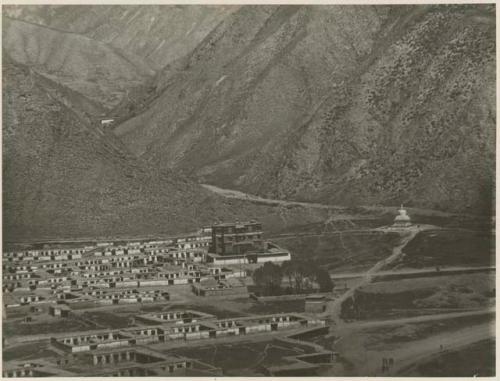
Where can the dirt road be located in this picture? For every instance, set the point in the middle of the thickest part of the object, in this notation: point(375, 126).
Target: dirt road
point(334, 307)
point(446, 270)
point(420, 319)
point(427, 348)
point(231, 193)
point(365, 351)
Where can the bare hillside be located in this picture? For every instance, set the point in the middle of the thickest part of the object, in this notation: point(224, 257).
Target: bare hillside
point(64, 177)
point(343, 104)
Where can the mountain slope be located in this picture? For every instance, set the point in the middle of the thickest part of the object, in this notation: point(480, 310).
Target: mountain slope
point(260, 71)
point(159, 34)
point(344, 104)
point(65, 178)
point(416, 126)
point(102, 74)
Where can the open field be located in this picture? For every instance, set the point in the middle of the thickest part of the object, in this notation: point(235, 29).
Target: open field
point(394, 335)
point(417, 296)
point(407, 341)
point(294, 305)
point(342, 251)
point(106, 319)
point(19, 328)
point(29, 351)
point(356, 248)
point(240, 307)
point(450, 248)
point(80, 321)
point(476, 360)
point(244, 357)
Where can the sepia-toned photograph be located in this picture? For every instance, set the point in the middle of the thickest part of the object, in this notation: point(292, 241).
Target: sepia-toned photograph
point(237, 190)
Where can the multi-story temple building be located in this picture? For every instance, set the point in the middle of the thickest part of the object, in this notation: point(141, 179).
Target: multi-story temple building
point(242, 242)
point(236, 238)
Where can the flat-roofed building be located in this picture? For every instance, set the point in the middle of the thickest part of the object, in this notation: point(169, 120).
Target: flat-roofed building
point(315, 303)
point(174, 317)
point(242, 243)
point(236, 238)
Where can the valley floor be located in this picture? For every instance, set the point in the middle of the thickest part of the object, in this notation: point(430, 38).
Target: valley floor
point(383, 308)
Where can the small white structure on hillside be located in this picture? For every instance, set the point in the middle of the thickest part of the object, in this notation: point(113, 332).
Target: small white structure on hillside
point(107, 122)
point(402, 220)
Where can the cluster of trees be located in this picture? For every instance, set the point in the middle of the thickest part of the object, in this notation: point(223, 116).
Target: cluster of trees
point(300, 277)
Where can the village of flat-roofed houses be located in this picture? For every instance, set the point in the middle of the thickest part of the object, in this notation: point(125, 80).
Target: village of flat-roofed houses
point(249, 190)
point(61, 283)
point(182, 306)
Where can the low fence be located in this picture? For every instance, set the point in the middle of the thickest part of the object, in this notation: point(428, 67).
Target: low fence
point(432, 273)
point(277, 298)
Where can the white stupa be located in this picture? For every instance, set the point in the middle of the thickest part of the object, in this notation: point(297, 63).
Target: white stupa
point(402, 220)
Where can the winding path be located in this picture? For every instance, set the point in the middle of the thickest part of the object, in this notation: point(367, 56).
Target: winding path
point(428, 348)
point(334, 307)
point(235, 194)
point(368, 362)
point(420, 319)
point(230, 193)
point(422, 271)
